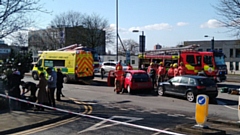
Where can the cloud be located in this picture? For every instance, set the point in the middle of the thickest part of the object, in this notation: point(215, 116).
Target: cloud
point(113, 27)
point(212, 23)
point(159, 26)
point(182, 24)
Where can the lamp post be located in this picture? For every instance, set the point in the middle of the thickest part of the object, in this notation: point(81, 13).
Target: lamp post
point(117, 30)
point(141, 45)
point(211, 41)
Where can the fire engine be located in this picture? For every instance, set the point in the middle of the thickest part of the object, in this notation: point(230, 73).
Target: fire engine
point(211, 62)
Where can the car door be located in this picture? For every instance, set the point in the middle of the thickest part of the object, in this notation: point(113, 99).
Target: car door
point(107, 66)
point(127, 80)
point(112, 66)
point(183, 86)
point(171, 86)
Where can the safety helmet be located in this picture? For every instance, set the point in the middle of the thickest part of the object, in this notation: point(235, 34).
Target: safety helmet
point(181, 63)
point(171, 65)
point(151, 64)
point(119, 68)
point(175, 65)
point(160, 63)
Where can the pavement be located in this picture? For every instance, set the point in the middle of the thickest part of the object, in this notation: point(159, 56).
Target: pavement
point(25, 119)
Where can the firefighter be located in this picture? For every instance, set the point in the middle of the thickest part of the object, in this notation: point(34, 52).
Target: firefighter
point(119, 65)
point(161, 72)
point(129, 67)
point(170, 72)
point(152, 74)
point(118, 79)
point(175, 71)
point(181, 69)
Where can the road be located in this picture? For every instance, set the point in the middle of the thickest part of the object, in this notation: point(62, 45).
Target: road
point(143, 109)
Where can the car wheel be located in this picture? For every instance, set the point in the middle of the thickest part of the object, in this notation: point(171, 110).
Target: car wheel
point(129, 89)
point(190, 96)
point(160, 91)
point(35, 76)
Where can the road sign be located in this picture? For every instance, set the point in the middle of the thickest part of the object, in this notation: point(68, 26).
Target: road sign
point(201, 109)
point(239, 108)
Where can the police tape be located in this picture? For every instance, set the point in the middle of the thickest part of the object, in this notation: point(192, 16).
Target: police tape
point(93, 117)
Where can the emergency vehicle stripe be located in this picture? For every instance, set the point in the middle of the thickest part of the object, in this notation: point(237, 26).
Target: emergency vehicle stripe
point(83, 64)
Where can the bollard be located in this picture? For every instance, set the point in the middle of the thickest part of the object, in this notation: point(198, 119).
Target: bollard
point(201, 110)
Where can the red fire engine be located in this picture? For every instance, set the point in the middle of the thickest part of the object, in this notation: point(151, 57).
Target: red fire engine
point(212, 63)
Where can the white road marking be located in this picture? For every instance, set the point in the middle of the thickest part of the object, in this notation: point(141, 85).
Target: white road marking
point(224, 104)
point(100, 124)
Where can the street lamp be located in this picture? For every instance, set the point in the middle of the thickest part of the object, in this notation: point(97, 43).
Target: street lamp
point(117, 30)
point(141, 45)
point(212, 42)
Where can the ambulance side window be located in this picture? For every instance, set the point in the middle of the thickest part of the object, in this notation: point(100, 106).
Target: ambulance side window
point(190, 59)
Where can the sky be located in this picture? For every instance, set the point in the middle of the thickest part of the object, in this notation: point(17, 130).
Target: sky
point(164, 22)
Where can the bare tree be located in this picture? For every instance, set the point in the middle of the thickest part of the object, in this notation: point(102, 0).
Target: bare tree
point(229, 13)
point(19, 38)
point(15, 15)
point(130, 45)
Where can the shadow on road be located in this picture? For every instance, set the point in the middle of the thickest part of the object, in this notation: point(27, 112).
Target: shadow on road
point(228, 101)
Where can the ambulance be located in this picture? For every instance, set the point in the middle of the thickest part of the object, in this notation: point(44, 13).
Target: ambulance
point(76, 65)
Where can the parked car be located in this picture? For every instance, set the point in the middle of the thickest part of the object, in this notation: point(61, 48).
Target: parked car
point(189, 86)
point(137, 80)
point(110, 65)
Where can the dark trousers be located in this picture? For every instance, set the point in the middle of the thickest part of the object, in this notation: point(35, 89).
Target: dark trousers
point(59, 92)
point(51, 96)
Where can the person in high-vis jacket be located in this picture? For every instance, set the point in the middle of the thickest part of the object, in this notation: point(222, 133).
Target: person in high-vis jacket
point(181, 69)
point(161, 72)
point(119, 78)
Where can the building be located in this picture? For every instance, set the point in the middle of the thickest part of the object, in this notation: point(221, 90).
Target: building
point(231, 49)
point(57, 37)
point(133, 59)
point(157, 46)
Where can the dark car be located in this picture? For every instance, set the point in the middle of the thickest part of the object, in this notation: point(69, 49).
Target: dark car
point(189, 86)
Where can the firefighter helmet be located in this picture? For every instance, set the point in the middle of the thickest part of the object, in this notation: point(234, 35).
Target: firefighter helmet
point(160, 63)
point(171, 65)
point(151, 64)
point(175, 65)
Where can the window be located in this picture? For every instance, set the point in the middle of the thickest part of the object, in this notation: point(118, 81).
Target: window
point(207, 59)
point(113, 64)
point(200, 50)
point(231, 53)
point(236, 65)
point(208, 50)
point(190, 59)
point(54, 63)
point(220, 49)
point(231, 66)
point(106, 64)
point(39, 63)
point(192, 81)
point(206, 82)
point(237, 53)
point(175, 79)
point(184, 80)
point(199, 60)
point(133, 61)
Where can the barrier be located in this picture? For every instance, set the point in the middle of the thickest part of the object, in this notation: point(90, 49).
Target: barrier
point(201, 110)
point(93, 117)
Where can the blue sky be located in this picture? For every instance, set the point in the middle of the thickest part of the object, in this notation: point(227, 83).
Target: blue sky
point(164, 22)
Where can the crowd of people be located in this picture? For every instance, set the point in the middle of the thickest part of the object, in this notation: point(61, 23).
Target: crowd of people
point(45, 88)
point(158, 73)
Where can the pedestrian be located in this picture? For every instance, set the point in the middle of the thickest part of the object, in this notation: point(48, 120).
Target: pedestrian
point(52, 83)
point(118, 79)
point(161, 72)
point(15, 81)
point(152, 74)
point(170, 72)
point(129, 67)
point(181, 69)
point(42, 97)
point(119, 65)
point(30, 86)
point(59, 84)
point(142, 67)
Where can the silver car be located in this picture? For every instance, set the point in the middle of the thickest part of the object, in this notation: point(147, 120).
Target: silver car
point(110, 65)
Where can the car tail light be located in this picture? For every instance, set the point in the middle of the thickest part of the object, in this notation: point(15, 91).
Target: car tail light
point(201, 87)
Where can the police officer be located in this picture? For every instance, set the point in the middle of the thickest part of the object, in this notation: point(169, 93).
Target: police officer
point(161, 72)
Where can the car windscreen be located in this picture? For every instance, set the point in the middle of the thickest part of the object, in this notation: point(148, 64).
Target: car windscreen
point(140, 77)
point(206, 82)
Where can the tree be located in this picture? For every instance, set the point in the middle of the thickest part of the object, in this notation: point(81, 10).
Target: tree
point(130, 45)
point(15, 15)
point(229, 12)
point(19, 39)
point(88, 30)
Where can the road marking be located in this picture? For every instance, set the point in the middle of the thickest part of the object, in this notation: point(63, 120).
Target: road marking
point(88, 108)
point(224, 104)
point(100, 124)
point(45, 127)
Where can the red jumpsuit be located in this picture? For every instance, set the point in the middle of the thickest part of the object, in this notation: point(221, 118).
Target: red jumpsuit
point(129, 67)
point(181, 70)
point(175, 72)
point(170, 72)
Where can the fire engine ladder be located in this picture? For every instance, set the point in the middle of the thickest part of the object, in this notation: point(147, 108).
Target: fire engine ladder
point(70, 47)
point(171, 50)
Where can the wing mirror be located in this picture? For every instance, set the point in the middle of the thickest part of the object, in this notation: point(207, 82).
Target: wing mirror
point(170, 82)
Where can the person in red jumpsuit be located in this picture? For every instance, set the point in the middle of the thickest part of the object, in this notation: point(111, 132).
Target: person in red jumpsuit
point(129, 67)
point(170, 72)
point(119, 78)
point(161, 72)
point(175, 71)
point(181, 69)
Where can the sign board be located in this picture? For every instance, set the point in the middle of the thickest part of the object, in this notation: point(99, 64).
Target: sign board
point(201, 109)
point(141, 43)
